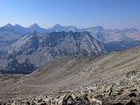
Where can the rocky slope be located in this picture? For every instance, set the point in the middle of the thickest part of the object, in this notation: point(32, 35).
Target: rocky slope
point(111, 79)
point(7, 38)
point(124, 92)
point(35, 50)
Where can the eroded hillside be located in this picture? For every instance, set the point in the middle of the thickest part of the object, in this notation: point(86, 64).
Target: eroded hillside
point(71, 73)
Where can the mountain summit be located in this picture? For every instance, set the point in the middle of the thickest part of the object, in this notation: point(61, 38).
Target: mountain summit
point(56, 28)
point(35, 25)
point(59, 28)
point(8, 25)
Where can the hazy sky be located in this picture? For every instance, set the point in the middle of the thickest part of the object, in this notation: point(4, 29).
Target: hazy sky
point(81, 13)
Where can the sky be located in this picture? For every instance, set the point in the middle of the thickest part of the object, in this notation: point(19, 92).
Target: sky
point(80, 13)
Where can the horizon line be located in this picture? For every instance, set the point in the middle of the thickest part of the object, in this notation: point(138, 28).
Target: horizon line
point(65, 26)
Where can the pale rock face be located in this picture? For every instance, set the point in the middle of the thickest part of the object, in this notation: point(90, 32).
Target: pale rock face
point(132, 33)
point(113, 35)
point(107, 35)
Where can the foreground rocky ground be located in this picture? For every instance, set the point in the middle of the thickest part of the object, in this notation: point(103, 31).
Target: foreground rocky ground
point(125, 92)
point(112, 79)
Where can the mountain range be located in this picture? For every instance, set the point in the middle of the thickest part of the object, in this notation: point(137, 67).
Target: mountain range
point(98, 32)
point(34, 50)
point(22, 50)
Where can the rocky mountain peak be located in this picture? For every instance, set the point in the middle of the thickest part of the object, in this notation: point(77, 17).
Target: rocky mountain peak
point(57, 25)
point(99, 27)
point(17, 25)
point(56, 28)
point(8, 25)
point(35, 25)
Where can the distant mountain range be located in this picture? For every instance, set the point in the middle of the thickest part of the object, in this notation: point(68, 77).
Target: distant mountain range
point(121, 38)
point(25, 49)
point(98, 32)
